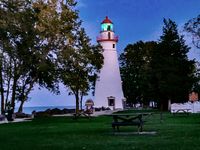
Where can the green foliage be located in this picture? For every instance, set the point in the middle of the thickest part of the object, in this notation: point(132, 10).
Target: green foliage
point(158, 71)
point(135, 71)
point(78, 71)
point(16, 41)
point(32, 35)
point(173, 73)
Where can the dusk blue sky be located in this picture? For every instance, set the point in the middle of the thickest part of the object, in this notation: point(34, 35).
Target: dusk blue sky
point(133, 20)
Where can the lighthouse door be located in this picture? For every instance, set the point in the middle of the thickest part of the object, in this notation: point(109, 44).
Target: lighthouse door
point(111, 102)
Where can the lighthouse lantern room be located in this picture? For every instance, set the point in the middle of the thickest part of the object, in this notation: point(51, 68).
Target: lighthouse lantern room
point(108, 88)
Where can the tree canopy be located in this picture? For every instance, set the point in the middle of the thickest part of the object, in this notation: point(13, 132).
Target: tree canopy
point(39, 40)
point(158, 71)
point(78, 72)
point(134, 69)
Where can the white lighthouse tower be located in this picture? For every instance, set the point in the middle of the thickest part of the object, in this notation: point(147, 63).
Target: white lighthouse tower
point(108, 88)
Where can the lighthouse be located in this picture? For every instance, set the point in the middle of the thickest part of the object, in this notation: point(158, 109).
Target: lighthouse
point(108, 87)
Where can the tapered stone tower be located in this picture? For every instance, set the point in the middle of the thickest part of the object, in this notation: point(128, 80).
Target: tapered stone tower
point(108, 88)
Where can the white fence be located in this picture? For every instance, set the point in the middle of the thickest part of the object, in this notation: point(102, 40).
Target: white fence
point(194, 107)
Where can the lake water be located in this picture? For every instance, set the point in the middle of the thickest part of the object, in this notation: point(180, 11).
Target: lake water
point(29, 110)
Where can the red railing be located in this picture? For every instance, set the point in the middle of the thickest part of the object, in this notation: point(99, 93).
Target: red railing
point(101, 39)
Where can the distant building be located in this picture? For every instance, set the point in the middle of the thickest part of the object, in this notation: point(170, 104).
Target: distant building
point(193, 97)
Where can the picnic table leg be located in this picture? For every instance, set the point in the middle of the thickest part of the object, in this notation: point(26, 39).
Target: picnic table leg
point(118, 128)
point(141, 128)
point(113, 126)
point(74, 117)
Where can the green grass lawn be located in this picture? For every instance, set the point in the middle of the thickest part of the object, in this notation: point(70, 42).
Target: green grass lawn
point(176, 132)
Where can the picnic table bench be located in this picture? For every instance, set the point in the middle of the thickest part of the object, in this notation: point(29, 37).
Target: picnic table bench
point(86, 114)
point(135, 119)
point(181, 111)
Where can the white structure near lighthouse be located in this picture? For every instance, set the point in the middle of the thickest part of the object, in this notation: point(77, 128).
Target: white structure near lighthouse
point(108, 88)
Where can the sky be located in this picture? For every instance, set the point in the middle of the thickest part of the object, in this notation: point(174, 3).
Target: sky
point(133, 20)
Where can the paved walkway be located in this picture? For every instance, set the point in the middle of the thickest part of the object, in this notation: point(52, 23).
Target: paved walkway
point(95, 114)
point(16, 120)
point(106, 112)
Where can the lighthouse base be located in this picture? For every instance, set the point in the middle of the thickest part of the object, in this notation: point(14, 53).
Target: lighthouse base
point(109, 102)
point(108, 88)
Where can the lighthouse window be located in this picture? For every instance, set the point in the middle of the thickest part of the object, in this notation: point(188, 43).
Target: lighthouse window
point(108, 35)
point(113, 45)
point(109, 27)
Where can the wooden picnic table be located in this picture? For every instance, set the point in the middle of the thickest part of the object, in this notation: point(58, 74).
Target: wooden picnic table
point(184, 111)
point(129, 119)
point(85, 114)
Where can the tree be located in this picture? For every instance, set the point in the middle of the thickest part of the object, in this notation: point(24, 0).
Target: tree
point(134, 68)
point(193, 27)
point(159, 71)
point(14, 30)
point(56, 21)
point(32, 33)
point(172, 73)
point(78, 66)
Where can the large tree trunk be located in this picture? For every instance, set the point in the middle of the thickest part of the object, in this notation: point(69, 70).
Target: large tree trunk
point(2, 92)
point(20, 110)
point(81, 102)
point(77, 102)
point(8, 83)
point(25, 95)
point(165, 105)
point(169, 105)
point(161, 112)
point(13, 94)
point(8, 89)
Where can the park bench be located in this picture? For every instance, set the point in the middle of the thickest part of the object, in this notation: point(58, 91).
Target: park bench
point(181, 111)
point(85, 114)
point(128, 120)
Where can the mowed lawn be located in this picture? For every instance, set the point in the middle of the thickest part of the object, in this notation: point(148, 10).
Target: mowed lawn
point(63, 133)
